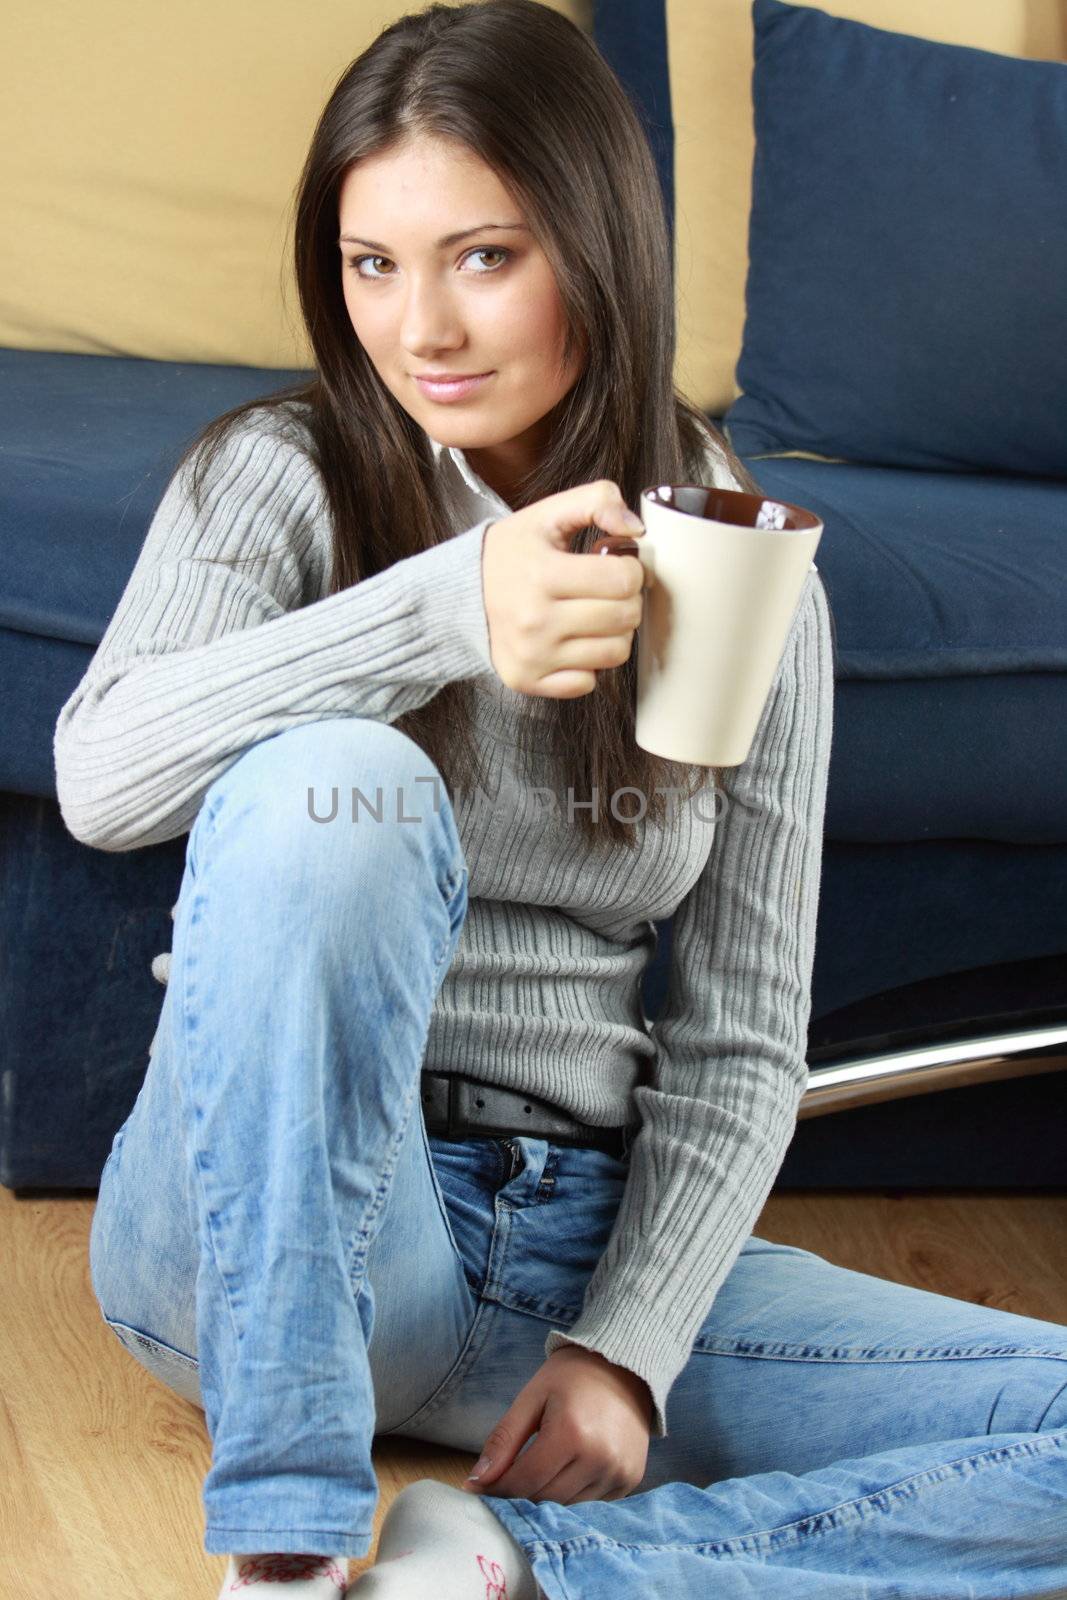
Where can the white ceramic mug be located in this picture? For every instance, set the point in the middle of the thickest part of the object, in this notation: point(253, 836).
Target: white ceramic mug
point(724, 572)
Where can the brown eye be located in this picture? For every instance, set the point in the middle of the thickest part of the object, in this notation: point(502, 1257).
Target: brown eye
point(358, 260)
point(494, 251)
point(356, 264)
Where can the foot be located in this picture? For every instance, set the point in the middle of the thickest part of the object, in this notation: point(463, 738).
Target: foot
point(438, 1541)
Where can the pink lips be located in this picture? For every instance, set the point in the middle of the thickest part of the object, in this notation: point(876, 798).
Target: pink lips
point(453, 390)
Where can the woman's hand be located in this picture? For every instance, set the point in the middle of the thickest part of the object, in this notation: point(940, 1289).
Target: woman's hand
point(556, 617)
point(592, 1419)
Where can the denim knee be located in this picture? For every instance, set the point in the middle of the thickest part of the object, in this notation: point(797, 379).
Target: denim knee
point(320, 794)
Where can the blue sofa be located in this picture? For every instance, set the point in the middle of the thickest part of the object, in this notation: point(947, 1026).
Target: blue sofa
point(939, 1007)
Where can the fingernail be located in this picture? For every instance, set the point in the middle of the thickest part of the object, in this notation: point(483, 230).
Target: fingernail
point(632, 521)
point(482, 1464)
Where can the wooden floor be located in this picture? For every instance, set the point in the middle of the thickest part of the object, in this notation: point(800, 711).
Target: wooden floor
point(101, 1466)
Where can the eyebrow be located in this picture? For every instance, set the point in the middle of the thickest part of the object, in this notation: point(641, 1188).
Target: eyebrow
point(449, 238)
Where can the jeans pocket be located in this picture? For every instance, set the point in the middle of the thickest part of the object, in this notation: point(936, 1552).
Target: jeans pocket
point(178, 1371)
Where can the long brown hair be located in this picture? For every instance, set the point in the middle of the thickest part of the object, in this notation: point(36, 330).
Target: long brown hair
point(526, 90)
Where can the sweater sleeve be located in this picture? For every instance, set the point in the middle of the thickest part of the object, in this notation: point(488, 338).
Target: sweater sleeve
point(215, 646)
point(729, 1072)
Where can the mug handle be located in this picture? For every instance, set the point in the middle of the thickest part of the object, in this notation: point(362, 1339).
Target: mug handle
point(614, 544)
point(617, 544)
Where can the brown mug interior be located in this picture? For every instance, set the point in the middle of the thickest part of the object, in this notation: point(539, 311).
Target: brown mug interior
point(734, 506)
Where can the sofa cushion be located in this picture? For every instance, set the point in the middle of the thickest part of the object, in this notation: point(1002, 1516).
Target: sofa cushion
point(907, 280)
point(90, 444)
point(936, 574)
point(708, 109)
point(946, 592)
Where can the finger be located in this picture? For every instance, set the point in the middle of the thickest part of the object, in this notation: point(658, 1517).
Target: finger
point(582, 619)
point(600, 502)
point(609, 545)
point(574, 1483)
point(545, 1458)
point(571, 575)
point(511, 1433)
point(566, 685)
point(595, 655)
point(605, 1489)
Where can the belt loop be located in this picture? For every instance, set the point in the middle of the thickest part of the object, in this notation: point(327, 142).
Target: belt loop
point(452, 1131)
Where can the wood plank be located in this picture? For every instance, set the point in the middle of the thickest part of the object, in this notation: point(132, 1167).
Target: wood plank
point(102, 1467)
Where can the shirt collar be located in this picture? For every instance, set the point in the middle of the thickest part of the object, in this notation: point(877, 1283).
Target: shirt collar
point(477, 485)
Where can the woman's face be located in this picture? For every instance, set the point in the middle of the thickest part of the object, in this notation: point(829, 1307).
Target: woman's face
point(485, 303)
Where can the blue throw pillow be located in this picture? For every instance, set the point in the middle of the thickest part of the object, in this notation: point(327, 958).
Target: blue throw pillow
point(906, 300)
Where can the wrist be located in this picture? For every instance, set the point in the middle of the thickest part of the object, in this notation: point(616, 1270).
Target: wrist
point(632, 1380)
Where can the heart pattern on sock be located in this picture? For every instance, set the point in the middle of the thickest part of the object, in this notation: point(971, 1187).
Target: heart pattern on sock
point(496, 1587)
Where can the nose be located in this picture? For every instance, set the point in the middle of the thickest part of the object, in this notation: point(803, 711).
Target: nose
point(430, 323)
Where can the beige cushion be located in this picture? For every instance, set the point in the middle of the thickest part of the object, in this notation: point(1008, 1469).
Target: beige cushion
point(149, 158)
point(710, 55)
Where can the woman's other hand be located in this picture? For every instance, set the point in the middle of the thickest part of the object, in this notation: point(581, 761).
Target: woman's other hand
point(592, 1419)
point(556, 617)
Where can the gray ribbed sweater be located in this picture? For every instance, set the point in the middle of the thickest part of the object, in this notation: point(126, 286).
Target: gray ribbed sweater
point(199, 662)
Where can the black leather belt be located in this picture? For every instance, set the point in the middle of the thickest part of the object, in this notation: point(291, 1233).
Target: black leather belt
point(455, 1107)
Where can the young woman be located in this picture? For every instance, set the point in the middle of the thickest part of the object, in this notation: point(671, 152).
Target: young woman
point(408, 1157)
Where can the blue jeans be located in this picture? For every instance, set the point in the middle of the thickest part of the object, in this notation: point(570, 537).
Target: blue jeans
point(279, 1241)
